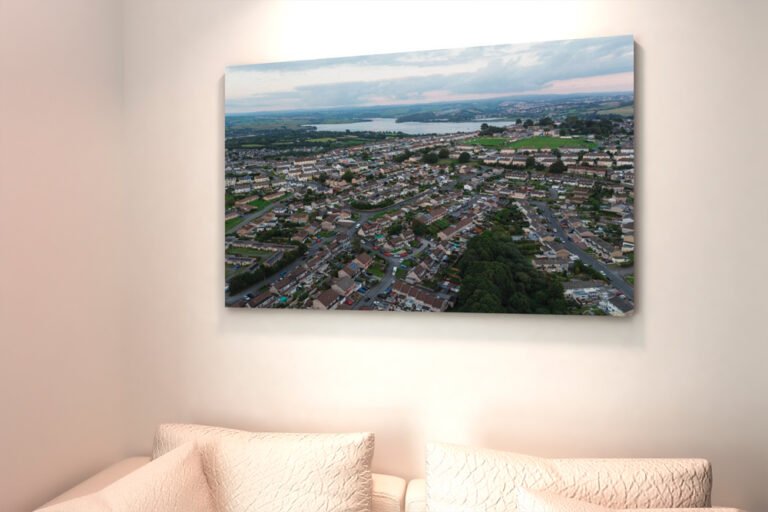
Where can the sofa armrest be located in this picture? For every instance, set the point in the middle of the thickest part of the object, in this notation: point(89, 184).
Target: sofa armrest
point(416, 496)
point(388, 493)
point(101, 479)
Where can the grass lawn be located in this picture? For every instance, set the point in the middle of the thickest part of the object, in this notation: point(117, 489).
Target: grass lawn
point(231, 223)
point(544, 142)
point(326, 234)
point(259, 203)
point(538, 142)
point(263, 203)
point(438, 226)
point(245, 251)
point(627, 110)
point(376, 269)
point(385, 212)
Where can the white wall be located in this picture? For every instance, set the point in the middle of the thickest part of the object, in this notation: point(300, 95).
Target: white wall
point(684, 377)
point(61, 375)
point(129, 289)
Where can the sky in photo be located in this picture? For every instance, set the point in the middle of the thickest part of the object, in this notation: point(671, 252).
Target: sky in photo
point(604, 64)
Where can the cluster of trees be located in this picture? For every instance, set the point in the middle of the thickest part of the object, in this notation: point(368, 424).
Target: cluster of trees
point(247, 279)
point(299, 139)
point(365, 205)
point(487, 129)
point(511, 218)
point(580, 269)
point(498, 278)
point(601, 127)
point(558, 167)
point(395, 229)
point(402, 157)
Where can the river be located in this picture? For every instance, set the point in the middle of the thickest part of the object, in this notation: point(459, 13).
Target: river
point(388, 124)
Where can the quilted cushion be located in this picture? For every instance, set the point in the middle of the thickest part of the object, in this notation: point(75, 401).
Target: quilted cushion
point(172, 483)
point(273, 472)
point(474, 480)
point(532, 501)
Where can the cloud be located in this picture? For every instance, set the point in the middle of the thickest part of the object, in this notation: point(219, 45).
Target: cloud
point(447, 75)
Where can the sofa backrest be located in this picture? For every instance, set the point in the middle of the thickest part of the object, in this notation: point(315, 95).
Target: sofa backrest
point(471, 479)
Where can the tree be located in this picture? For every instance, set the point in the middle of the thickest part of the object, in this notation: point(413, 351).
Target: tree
point(347, 176)
point(558, 167)
point(528, 123)
point(530, 162)
point(419, 228)
point(464, 157)
point(430, 158)
point(443, 153)
point(498, 278)
point(557, 152)
point(546, 121)
point(323, 177)
point(518, 121)
point(402, 157)
point(395, 229)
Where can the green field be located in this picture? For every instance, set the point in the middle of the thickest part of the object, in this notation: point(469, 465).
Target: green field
point(538, 142)
point(377, 269)
point(259, 203)
point(263, 203)
point(627, 110)
point(247, 252)
point(231, 223)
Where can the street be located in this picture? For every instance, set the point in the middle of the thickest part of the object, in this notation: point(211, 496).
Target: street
point(616, 280)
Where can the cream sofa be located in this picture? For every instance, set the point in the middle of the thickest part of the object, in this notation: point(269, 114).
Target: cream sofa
point(388, 490)
point(457, 478)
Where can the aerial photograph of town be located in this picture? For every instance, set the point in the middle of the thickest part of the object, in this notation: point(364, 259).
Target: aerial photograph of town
point(496, 179)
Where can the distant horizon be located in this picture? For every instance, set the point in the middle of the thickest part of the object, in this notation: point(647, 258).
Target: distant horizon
point(602, 65)
point(395, 105)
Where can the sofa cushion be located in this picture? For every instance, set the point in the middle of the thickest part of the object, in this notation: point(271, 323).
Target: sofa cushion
point(473, 480)
point(534, 501)
point(102, 479)
point(171, 483)
point(275, 472)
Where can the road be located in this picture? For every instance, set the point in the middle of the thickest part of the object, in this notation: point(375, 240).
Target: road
point(616, 280)
point(311, 252)
point(393, 262)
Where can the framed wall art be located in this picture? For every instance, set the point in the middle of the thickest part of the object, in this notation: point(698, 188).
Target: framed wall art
point(495, 179)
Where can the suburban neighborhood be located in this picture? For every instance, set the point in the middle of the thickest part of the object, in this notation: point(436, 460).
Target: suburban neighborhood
point(388, 224)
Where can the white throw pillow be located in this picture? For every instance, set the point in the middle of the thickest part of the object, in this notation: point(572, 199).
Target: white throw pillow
point(463, 479)
point(174, 482)
point(281, 472)
point(534, 501)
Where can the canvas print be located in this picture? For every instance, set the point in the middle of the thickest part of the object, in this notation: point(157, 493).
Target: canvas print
point(495, 179)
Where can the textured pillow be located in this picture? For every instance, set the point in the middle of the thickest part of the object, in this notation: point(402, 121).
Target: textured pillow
point(174, 482)
point(473, 480)
point(273, 472)
point(533, 501)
